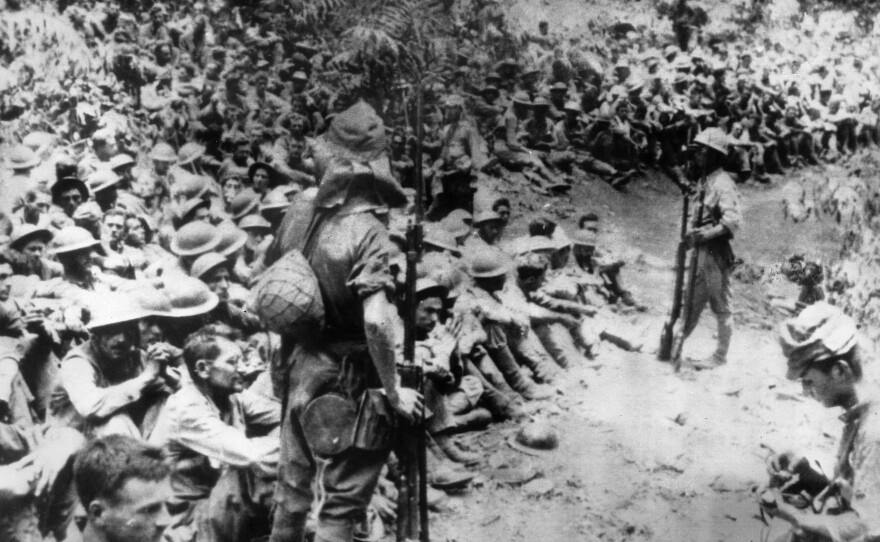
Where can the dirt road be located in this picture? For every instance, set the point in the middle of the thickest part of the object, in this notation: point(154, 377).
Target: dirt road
point(647, 454)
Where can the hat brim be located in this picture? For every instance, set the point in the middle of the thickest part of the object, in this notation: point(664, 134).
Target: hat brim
point(235, 246)
point(273, 206)
point(36, 161)
point(193, 158)
point(175, 248)
point(444, 246)
point(73, 248)
point(198, 310)
point(345, 153)
point(19, 243)
point(105, 186)
point(247, 210)
point(131, 318)
point(538, 452)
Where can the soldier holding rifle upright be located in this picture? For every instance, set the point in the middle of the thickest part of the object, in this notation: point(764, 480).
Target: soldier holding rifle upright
point(711, 230)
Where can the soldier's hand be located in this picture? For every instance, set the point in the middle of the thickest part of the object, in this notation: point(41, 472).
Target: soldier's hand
point(782, 467)
point(408, 403)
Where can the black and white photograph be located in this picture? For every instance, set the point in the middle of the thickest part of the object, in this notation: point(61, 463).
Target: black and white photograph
point(439, 270)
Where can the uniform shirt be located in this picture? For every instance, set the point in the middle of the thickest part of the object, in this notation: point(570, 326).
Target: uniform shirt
point(721, 203)
point(350, 258)
point(202, 440)
point(85, 393)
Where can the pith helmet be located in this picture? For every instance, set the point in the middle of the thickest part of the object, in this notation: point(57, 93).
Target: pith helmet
point(714, 138)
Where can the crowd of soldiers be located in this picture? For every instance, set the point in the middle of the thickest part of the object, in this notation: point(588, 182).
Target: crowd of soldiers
point(139, 211)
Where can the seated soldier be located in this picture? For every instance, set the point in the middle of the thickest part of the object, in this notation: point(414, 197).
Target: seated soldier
point(551, 325)
point(489, 273)
point(123, 485)
point(607, 266)
point(222, 442)
point(822, 349)
point(108, 385)
point(451, 399)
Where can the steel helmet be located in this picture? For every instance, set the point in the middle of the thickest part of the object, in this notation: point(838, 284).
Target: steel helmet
point(437, 236)
point(190, 297)
point(232, 238)
point(71, 239)
point(21, 157)
point(244, 204)
point(194, 239)
point(109, 309)
point(487, 264)
point(153, 301)
point(206, 263)
point(163, 152)
point(275, 199)
point(189, 153)
point(103, 179)
point(254, 222)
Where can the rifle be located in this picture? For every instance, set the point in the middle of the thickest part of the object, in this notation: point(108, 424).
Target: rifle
point(678, 340)
point(664, 353)
point(412, 500)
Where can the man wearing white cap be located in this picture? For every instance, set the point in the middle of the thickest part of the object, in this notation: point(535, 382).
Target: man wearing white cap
point(823, 352)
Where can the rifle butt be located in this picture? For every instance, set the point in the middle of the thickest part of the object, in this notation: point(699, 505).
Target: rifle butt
point(664, 352)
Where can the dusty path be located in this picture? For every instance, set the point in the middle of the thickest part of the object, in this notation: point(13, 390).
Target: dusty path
point(647, 454)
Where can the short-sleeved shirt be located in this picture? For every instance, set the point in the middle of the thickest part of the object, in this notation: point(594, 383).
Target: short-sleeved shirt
point(86, 395)
point(722, 202)
point(350, 256)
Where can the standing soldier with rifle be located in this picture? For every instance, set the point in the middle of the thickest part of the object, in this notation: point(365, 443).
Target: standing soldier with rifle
point(343, 394)
point(712, 228)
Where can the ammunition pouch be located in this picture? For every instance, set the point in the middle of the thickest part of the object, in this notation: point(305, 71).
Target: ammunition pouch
point(721, 250)
point(376, 422)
